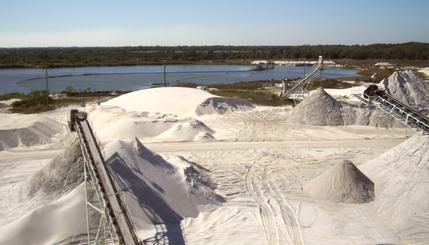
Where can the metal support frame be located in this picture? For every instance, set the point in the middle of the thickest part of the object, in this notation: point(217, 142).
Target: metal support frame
point(300, 90)
point(398, 110)
point(105, 232)
point(395, 111)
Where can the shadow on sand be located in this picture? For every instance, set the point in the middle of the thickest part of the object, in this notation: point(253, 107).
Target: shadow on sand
point(164, 218)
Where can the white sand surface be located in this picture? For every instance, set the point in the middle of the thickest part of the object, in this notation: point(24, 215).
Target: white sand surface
point(256, 161)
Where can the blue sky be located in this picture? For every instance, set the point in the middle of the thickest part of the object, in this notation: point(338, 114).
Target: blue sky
point(216, 22)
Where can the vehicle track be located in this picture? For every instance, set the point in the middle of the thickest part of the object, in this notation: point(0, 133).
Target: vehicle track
point(265, 210)
point(290, 218)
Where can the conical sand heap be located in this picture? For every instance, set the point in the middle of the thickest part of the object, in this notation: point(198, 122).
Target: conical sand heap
point(342, 183)
point(319, 109)
point(408, 87)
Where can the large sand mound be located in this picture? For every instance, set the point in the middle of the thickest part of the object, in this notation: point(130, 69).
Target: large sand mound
point(318, 109)
point(178, 101)
point(28, 130)
point(401, 183)
point(343, 182)
point(113, 123)
point(408, 87)
point(155, 190)
point(63, 174)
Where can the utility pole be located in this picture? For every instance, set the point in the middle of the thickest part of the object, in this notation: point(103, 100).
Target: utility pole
point(165, 80)
point(46, 85)
point(46, 78)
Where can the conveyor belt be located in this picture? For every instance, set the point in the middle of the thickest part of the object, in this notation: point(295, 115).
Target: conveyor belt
point(300, 86)
point(396, 108)
point(121, 228)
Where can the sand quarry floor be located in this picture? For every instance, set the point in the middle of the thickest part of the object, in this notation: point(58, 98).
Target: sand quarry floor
point(260, 165)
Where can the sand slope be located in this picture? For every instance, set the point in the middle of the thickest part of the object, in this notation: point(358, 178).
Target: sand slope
point(64, 173)
point(49, 224)
point(156, 191)
point(27, 130)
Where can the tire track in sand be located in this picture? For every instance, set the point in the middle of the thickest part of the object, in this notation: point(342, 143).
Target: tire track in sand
point(266, 212)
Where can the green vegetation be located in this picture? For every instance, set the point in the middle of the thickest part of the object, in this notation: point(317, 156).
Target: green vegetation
point(38, 101)
point(109, 56)
point(14, 95)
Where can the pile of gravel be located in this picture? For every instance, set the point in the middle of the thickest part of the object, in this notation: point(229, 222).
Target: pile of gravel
point(343, 182)
point(62, 175)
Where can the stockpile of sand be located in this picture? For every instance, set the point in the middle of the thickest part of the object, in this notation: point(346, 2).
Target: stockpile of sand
point(156, 190)
point(343, 182)
point(27, 130)
point(113, 123)
point(401, 183)
point(408, 87)
point(182, 102)
point(63, 174)
point(187, 130)
point(318, 109)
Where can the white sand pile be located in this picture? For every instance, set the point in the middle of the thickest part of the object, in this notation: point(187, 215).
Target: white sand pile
point(318, 109)
point(155, 190)
point(27, 130)
point(114, 123)
point(401, 178)
point(64, 173)
point(188, 130)
point(178, 101)
point(344, 182)
point(51, 223)
point(408, 87)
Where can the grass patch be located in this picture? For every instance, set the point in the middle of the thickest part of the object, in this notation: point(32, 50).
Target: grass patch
point(14, 95)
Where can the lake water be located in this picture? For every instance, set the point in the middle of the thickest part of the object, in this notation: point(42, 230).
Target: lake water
point(141, 77)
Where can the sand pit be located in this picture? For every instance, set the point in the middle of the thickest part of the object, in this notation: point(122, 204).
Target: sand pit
point(27, 130)
point(344, 182)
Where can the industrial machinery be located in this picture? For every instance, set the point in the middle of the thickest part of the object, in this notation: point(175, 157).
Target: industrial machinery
point(299, 91)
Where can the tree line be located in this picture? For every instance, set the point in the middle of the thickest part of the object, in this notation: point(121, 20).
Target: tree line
point(144, 55)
